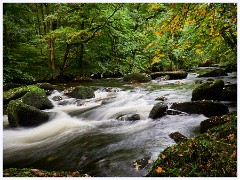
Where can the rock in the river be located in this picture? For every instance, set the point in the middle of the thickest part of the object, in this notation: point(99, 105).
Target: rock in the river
point(208, 90)
point(57, 98)
point(175, 112)
point(49, 88)
point(178, 137)
point(18, 92)
point(136, 78)
point(37, 100)
point(21, 114)
point(207, 108)
point(158, 110)
point(214, 73)
point(82, 92)
point(172, 74)
point(132, 117)
point(229, 93)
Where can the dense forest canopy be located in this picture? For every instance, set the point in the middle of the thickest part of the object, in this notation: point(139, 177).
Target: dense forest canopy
point(45, 41)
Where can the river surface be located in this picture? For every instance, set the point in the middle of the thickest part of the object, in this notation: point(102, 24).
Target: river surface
point(88, 135)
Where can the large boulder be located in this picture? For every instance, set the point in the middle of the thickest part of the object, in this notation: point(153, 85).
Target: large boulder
point(49, 88)
point(172, 74)
point(207, 108)
point(37, 100)
point(81, 92)
point(136, 78)
point(21, 114)
point(214, 73)
point(18, 92)
point(158, 110)
point(208, 90)
point(229, 92)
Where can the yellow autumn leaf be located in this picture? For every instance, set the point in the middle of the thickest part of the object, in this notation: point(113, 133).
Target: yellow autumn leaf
point(198, 45)
point(225, 25)
point(159, 170)
point(158, 33)
point(199, 51)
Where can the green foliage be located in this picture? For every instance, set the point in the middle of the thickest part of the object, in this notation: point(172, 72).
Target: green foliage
point(50, 40)
point(208, 155)
point(28, 172)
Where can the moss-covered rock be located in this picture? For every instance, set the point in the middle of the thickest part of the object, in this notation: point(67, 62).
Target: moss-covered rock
point(213, 154)
point(47, 87)
point(208, 90)
point(21, 114)
point(158, 110)
point(214, 73)
point(81, 92)
point(172, 74)
point(37, 100)
point(18, 92)
point(229, 93)
point(207, 108)
point(8, 86)
point(136, 78)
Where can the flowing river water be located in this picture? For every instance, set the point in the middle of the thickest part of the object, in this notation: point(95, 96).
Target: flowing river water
point(88, 135)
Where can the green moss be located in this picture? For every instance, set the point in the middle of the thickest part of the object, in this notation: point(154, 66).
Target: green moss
point(208, 155)
point(28, 172)
point(11, 94)
point(82, 92)
point(136, 77)
point(37, 100)
point(22, 114)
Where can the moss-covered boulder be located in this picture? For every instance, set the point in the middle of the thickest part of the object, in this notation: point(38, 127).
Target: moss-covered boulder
point(214, 73)
point(81, 92)
point(21, 114)
point(229, 93)
point(213, 154)
point(172, 74)
point(208, 90)
point(18, 92)
point(207, 108)
point(37, 100)
point(136, 78)
point(158, 110)
point(49, 88)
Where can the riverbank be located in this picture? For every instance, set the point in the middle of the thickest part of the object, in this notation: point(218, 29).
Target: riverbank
point(212, 154)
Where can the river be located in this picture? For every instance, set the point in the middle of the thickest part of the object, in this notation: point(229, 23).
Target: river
point(88, 135)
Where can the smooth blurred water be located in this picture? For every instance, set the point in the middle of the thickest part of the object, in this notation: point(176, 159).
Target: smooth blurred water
point(86, 134)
